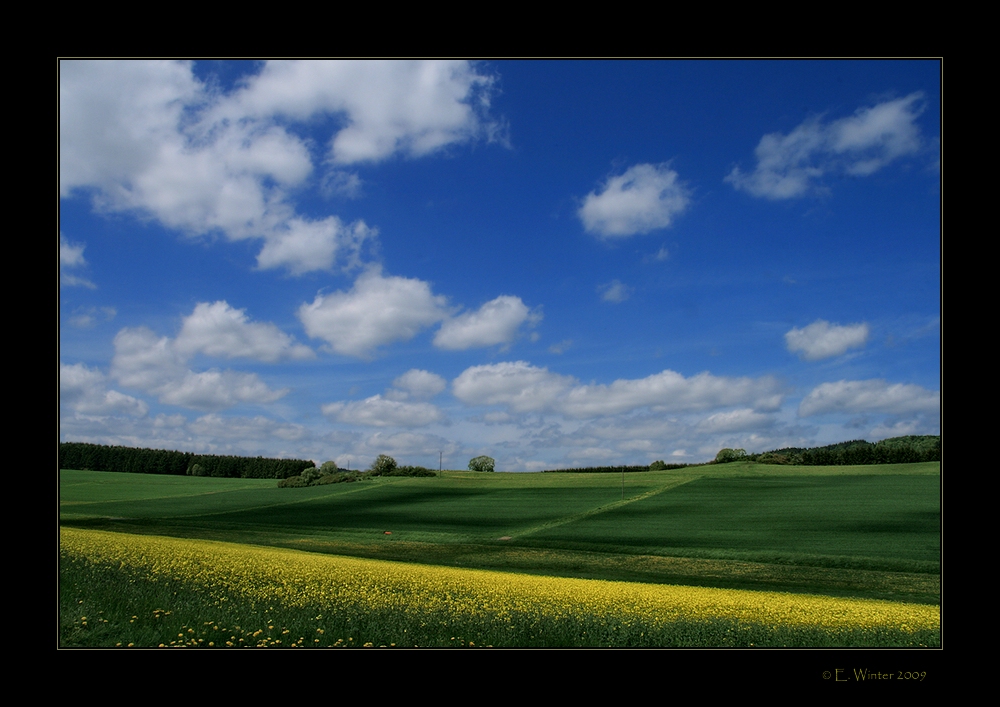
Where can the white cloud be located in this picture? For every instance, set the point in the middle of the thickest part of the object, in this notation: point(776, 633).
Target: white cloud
point(789, 165)
point(145, 361)
point(71, 256)
point(735, 421)
point(154, 365)
point(645, 198)
point(671, 392)
point(518, 385)
point(301, 246)
point(408, 444)
point(248, 428)
point(869, 396)
point(496, 322)
point(900, 428)
point(823, 340)
point(418, 384)
point(216, 390)
point(377, 411)
point(615, 291)
point(409, 107)
point(376, 311)
point(525, 388)
point(217, 329)
point(149, 137)
point(498, 418)
point(84, 391)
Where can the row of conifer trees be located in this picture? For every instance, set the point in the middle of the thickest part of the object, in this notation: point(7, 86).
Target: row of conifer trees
point(100, 457)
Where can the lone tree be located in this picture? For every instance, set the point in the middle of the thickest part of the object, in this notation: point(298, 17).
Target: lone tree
point(730, 455)
point(382, 466)
point(482, 464)
point(329, 467)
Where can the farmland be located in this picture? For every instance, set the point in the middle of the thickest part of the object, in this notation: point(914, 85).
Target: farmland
point(705, 540)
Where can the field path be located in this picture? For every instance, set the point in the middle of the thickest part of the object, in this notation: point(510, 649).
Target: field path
point(671, 484)
point(291, 502)
point(200, 514)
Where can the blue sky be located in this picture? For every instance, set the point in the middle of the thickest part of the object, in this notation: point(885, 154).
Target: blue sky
point(554, 263)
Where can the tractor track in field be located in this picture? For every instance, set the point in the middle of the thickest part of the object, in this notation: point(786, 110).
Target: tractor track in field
point(672, 484)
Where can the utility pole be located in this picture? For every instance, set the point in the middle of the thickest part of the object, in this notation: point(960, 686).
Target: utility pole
point(440, 457)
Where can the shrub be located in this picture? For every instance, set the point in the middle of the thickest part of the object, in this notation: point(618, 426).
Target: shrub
point(329, 467)
point(412, 471)
point(292, 482)
point(382, 466)
point(310, 475)
point(772, 458)
point(339, 478)
point(482, 464)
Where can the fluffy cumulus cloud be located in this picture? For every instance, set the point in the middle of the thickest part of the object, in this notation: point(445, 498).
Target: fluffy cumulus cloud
point(377, 411)
point(408, 107)
point(378, 310)
point(870, 396)
point(150, 363)
point(671, 392)
point(645, 198)
point(417, 384)
point(84, 391)
point(216, 390)
point(821, 339)
point(789, 166)
point(300, 245)
point(220, 330)
point(517, 385)
point(158, 365)
point(522, 387)
point(149, 137)
point(496, 322)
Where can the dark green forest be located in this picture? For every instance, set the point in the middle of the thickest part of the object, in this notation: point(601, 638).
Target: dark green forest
point(99, 457)
point(896, 450)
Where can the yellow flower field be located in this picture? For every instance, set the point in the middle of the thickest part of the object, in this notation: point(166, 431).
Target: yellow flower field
point(490, 605)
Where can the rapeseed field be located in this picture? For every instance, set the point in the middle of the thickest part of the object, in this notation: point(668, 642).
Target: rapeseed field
point(132, 590)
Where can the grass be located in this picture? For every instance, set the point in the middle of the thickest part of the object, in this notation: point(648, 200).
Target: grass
point(851, 533)
point(138, 591)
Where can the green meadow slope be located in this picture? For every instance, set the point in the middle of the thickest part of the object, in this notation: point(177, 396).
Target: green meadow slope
point(866, 531)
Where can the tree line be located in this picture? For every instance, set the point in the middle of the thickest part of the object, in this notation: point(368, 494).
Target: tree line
point(132, 460)
point(655, 466)
point(896, 450)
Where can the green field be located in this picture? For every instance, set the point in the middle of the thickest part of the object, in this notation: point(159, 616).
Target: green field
point(866, 531)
